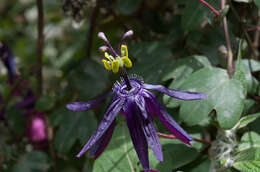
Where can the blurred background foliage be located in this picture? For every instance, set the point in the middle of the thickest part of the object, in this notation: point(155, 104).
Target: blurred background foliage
point(178, 43)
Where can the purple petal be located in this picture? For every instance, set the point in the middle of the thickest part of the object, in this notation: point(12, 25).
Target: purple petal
point(141, 104)
point(108, 118)
point(148, 128)
point(166, 119)
point(82, 106)
point(136, 132)
point(103, 141)
point(182, 95)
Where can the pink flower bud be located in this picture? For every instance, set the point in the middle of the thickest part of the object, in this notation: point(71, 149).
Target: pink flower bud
point(37, 130)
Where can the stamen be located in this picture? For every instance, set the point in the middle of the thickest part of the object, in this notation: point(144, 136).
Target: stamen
point(124, 50)
point(115, 66)
point(107, 64)
point(126, 61)
point(127, 34)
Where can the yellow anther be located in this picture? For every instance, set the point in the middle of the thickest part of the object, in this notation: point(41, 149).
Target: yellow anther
point(115, 66)
point(126, 61)
point(106, 55)
point(107, 64)
point(124, 51)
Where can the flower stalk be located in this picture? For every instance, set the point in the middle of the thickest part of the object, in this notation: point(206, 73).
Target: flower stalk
point(126, 79)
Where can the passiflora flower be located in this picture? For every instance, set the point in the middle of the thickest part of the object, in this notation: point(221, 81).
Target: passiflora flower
point(139, 106)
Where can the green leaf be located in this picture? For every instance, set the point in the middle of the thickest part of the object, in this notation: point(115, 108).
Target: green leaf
point(74, 125)
point(245, 166)
point(153, 60)
point(89, 81)
point(16, 119)
point(224, 95)
point(203, 166)
point(248, 156)
point(127, 7)
point(249, 66)
point(248, 160)
point(32, 162)
point(44, 103)
point(239, 73)
point(244, 121)
point(249, 140)
point(182, 155)
point(182, 68)
point(120, 156)
point(193, 15)
point(257, 2)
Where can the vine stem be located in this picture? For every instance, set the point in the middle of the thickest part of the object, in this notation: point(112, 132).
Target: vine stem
point(169, 136)
point(90, 34)
point(40, 44)
point(247, 37)
point(228, 43)
point(216, 12)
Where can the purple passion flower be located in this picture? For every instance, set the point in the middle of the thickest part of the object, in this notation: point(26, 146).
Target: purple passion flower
point(139, 106)
point(133, 99)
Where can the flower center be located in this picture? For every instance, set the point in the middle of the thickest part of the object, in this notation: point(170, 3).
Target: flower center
point(120, 88)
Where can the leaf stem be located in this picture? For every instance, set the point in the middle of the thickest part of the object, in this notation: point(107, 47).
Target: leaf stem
point(247, 37)
point(228, 43)
point(169, 136)
point(216, 12)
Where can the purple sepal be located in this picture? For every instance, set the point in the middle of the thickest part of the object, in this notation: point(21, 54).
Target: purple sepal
point(82, 106)
point(182, 95)
point(166, 119)
point(8, 59)
point(138, 137)
point(103, 141)
point(108, 118)
point(150, 132)
point(141, 104)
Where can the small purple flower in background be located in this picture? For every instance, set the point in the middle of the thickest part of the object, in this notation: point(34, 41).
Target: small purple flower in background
point(133, 98)
point(7, 57)
point(37, 127)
